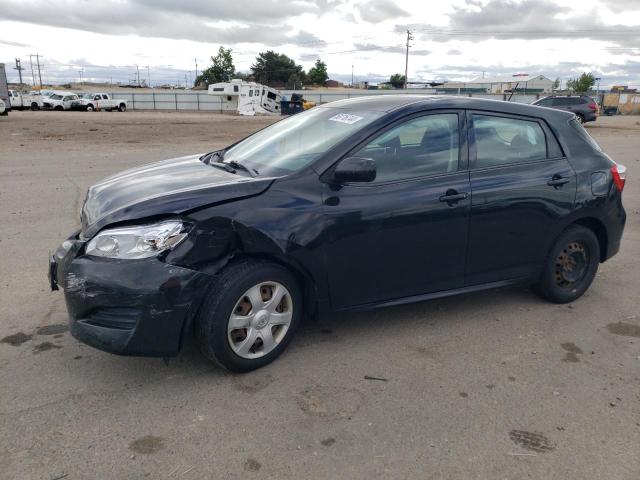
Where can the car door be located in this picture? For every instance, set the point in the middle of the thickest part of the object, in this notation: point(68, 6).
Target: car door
point(405, 233)
point(67, 100)
point(521, 189)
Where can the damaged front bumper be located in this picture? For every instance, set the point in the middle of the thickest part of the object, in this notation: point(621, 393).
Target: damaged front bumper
point(127, 307)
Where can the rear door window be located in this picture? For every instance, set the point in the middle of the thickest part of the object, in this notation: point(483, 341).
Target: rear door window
point(505, 140)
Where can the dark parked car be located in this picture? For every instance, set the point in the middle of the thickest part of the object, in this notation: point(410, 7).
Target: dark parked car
point(584, 107)
point(356, 204)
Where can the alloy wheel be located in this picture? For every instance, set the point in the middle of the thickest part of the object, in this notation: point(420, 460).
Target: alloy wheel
point(259, 320)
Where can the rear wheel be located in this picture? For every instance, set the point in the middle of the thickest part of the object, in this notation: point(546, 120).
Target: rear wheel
point(59, 108)
point(571, 265)
point(250, 315)
point(122, 107)
point(34, 106)
point(580, 118)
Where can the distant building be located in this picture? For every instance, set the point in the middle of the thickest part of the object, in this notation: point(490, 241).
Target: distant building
point(520, 83)
point(623, 89)
point(334, 84)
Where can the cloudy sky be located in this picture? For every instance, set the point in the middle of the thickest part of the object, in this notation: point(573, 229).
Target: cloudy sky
point(453, 39)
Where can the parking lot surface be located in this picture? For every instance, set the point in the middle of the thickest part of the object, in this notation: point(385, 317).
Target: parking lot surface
point(495, 385)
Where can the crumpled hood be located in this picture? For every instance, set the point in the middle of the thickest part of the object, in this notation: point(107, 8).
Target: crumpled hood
point(168, 187)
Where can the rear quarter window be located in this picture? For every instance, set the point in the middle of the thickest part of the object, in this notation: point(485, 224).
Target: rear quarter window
point(583, 134)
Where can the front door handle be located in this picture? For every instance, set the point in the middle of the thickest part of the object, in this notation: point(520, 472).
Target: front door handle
point(558, 181)
point(452, 196)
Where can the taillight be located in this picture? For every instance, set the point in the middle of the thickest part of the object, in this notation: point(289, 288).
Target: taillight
point(619, 173)
point(593, 106)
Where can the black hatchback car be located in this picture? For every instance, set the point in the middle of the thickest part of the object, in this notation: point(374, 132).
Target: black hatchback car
point(584, 107)
point(356, 204)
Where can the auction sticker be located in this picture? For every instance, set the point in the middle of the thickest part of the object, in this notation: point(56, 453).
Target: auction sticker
point(345, 118)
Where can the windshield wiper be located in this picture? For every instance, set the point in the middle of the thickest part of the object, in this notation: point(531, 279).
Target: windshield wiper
point(222, 166)
point(207, 157)
point(253, 172)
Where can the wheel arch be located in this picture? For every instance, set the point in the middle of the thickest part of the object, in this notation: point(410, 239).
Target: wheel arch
point(600, 231)
point(307, 282)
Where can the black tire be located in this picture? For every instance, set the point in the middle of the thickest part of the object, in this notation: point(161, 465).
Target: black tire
point(122, 107)
point(571, 265)
point(580, 118)
point(34, 106)
point(230, 285)
point(59, 108)
point(89, 108)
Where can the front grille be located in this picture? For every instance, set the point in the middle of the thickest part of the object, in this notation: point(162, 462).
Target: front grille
point(119, 318)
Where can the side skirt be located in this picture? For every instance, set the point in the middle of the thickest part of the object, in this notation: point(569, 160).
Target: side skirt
point(440, 294)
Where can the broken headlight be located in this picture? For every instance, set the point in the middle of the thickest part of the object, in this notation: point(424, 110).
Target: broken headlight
point(137, 242)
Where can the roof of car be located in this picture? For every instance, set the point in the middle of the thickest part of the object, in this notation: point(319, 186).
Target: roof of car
point(391, 102)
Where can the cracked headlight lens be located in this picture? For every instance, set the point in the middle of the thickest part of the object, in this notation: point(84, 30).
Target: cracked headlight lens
point(141, 241)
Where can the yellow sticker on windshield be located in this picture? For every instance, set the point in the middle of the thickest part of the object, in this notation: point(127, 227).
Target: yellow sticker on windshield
point(346, 118)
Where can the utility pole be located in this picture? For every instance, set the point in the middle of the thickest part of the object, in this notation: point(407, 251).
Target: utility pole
point(82, 75)
point(37, 55)
point(33, 77)
point(138, 75)
point(39, 72)
point(19, 68)
point(406, 62)
point(351, 74)
point(196, 62)
point(148, 77)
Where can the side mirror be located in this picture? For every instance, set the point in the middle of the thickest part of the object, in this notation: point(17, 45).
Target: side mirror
point(355, 169)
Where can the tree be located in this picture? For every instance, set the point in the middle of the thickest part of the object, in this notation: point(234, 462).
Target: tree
point(582, 84)
point(397, 80)
point(221, 70)
point(294, 81)
point(317, 74)
point(556, 84)
point(273, 68)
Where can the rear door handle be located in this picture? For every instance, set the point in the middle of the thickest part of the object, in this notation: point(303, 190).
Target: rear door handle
point(558, 181)
point(452, 196)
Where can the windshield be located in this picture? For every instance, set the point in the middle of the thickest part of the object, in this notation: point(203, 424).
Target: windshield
point(88, 96)
point(293, 143)
point(55, 96)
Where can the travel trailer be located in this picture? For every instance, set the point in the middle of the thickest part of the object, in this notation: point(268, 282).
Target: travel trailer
point(246, 98)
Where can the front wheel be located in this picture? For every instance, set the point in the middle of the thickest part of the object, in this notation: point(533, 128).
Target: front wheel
point(90, 108)
point(250, 315)
point(571, 265)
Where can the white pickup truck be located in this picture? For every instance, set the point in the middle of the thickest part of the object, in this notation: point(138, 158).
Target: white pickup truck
point(59, 101)
point(24, 101)
point(99, 101)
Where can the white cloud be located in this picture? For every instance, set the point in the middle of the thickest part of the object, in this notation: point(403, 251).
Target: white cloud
point(452, 37)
